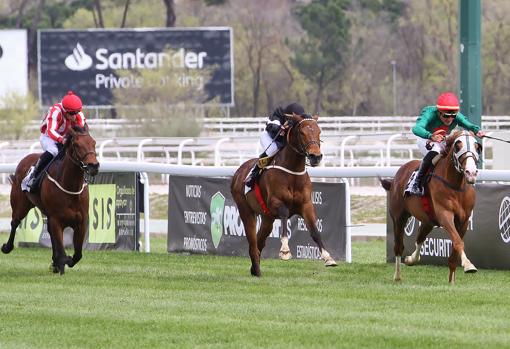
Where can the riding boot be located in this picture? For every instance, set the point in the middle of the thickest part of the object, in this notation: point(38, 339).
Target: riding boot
point(417, 187)
point(254, 174)
point(39, 166)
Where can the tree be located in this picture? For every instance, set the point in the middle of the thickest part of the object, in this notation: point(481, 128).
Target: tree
point(16, 111)
point(321, 55)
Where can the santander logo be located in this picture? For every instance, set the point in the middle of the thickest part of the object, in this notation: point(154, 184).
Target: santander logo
point(504, 219)
point(78, 60)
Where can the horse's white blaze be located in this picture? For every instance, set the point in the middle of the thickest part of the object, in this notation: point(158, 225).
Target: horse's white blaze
point(470, 170)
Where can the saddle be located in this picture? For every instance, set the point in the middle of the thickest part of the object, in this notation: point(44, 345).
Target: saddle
point(425, 197)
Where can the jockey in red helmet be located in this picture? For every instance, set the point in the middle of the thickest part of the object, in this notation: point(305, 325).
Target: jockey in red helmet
point(55, 125)
point(432, 127)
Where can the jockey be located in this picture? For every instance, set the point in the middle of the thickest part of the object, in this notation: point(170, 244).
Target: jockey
point(55, 125)
point(272, 138)
point(431, 129)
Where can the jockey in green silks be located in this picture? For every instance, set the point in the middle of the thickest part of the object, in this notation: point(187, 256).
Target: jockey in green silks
point(431, 129)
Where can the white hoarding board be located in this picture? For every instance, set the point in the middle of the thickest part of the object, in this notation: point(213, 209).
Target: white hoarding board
point(13, 62)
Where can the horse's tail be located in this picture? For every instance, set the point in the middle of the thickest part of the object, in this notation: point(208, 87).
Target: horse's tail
point(386, 183)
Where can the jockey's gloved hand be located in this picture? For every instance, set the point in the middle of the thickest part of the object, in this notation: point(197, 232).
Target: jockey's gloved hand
point(273, 129)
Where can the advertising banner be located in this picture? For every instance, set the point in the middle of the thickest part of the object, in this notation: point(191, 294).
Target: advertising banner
point(487, 240)
point(13, 63)
point(113, 216)
point(203, 218)
point(88, 61)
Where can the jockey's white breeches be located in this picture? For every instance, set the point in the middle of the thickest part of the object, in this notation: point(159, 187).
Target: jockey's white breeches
point(426, 145)
point(267, 143)
point(48, 144)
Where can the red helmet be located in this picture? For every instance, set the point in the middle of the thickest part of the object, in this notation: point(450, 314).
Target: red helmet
point(447, 102)
point(71, 102)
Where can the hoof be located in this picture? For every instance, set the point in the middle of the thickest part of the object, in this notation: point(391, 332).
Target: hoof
point(255, 272)
point(470, 269)
point(409, 261)
point(285, 255)
point(397, 279)
point(7, 248)
point(53, 268)
point(330, 263)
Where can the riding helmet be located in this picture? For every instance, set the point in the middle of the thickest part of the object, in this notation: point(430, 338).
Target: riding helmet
point(447, 101)
point(71, 102)
point(295, 108)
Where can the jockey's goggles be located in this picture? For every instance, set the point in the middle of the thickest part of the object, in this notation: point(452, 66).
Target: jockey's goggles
point(449, 114)
point(74, 112)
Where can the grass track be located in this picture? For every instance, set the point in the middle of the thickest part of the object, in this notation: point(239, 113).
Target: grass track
point(159, 300)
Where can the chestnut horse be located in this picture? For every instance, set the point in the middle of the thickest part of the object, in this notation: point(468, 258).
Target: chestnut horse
point(63, 195)
point(285, 189)
point(452, 198)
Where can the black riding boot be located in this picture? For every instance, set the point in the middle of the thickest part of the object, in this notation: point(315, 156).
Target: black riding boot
point(39, 166)
point(254, 174)
point(426, 163)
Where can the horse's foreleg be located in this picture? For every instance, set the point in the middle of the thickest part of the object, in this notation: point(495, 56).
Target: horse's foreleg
point(78, 238)
point(446, 219)
point(266, 226)
point(60, 258)
point(284, 253)
point(466, 263)
point(310, 217)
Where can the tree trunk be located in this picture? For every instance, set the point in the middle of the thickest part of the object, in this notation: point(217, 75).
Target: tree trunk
point(32, 36)
point(320, 90)
point(125, 14)
point(20, 13)
point(170, 13)
point(99, 13)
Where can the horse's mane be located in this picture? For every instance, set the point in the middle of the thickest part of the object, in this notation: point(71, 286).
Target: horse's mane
point(63, 149)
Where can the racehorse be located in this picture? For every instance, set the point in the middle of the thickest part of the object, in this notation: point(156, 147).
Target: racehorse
point(63, 195)
point(451, 195)
point(285, 190)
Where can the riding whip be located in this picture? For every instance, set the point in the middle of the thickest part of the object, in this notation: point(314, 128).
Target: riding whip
point(497, 139)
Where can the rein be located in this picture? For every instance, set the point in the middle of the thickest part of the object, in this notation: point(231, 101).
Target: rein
point(448, 184)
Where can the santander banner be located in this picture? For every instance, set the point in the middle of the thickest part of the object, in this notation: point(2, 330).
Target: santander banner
point(89, 62)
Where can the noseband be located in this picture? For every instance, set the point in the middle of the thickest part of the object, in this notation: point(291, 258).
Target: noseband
point(303, 147)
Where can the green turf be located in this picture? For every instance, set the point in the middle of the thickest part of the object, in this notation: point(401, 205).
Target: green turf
point(160, 300)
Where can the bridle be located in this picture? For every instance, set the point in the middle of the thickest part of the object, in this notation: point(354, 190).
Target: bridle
point(468, 148)
point(303, 147)
point(78, 161)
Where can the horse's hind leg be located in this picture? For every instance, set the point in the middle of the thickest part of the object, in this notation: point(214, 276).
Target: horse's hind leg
point(423, 231)
point(399, 224)
point(20, 206)
point(310, 217)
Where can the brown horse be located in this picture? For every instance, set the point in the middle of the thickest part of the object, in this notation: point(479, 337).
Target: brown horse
point(452, 199)
point(285, 188)
point(63, 196)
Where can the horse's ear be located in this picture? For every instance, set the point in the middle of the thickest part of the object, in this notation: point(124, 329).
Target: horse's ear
point(315, 117)
point(86, 127)
point(478, 147)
